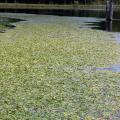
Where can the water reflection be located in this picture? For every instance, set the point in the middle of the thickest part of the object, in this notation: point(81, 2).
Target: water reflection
point(109, 26)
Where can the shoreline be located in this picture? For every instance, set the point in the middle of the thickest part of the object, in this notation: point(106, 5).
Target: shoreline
point(54, 6)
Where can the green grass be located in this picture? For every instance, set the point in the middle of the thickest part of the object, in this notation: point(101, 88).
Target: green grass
point(44, 73)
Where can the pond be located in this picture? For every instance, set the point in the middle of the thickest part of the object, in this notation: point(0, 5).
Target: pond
point(113, 26)
point(79, 22)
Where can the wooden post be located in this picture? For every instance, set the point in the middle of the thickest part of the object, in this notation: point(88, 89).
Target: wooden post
point(109, 10)
point(85, 2)
point(109, 26)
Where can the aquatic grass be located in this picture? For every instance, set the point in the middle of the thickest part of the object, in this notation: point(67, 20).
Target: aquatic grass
point(6, 23)
point(43, 73)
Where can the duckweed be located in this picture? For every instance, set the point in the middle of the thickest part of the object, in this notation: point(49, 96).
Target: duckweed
point(45, 73)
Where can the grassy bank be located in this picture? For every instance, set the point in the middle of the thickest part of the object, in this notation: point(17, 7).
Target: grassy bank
point(47, 73)
point(54, 6)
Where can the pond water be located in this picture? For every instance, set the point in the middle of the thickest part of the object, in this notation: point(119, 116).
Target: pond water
point(80, 22)
point(113, 26)
point(75, 13)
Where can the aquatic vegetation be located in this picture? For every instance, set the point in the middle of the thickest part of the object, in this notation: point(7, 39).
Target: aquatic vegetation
point(6, 23)
point(45, 73)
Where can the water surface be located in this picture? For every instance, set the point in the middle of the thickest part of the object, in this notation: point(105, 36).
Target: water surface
point(113, 26)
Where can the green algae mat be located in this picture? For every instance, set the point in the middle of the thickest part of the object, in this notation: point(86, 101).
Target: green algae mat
point(47, 72)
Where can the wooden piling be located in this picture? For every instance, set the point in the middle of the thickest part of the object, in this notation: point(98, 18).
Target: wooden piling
point(109, 10)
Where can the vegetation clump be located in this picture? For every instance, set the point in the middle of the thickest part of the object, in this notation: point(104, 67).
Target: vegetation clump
point(5, 23)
